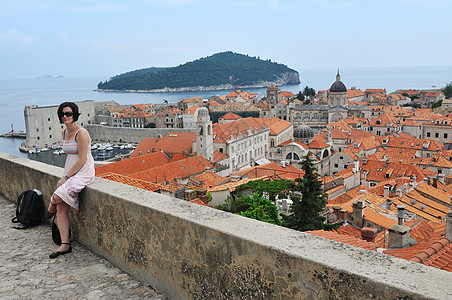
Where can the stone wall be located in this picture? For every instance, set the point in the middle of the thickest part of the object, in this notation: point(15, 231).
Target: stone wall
point(133, 135)
point(187, 251)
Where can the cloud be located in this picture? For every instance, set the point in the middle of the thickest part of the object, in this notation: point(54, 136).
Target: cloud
point(16, 37)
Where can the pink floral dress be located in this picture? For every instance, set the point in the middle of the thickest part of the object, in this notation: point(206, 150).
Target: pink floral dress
point(71, 188)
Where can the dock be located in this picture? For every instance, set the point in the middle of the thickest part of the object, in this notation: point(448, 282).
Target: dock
point(18, 134)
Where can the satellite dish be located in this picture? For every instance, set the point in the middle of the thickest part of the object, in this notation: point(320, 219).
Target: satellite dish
point(413, 201)
point(332, 218)
point(422, 206)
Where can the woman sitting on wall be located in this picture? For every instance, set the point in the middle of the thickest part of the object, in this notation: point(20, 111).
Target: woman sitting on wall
point(78, 173)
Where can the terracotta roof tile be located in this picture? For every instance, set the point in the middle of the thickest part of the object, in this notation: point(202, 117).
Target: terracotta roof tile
point(154, 187)
point(174, 142)
point(349, 240)
point(218, 156)
point(206, 180)
point(132, 165)
point(179, 169)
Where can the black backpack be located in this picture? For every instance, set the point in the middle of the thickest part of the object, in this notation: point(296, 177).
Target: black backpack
point(30, 209)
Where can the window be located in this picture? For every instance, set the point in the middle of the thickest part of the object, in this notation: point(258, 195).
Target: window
point(48, 119)
point(221, 150)
point(50, 136)
point(341, 157)
point(437, 134)
point(445, 135)
point(336, 166)
point(50, 128)
point(428, 134)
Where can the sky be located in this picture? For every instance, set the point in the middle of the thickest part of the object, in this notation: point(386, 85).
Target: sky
point(97, 38)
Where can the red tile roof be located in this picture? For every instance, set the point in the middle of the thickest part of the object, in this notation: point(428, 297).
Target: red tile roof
point(206, 180)
point(438, 255)
point(316, 144)
point(179, 169)
point(175, 142)
point(230, 116)
point(349, 240)
point(132, 165)
point(218, 156)
point(271, 170)
point(154, 187)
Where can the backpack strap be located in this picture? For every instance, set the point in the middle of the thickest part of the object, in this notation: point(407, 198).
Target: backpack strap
point(19, 199)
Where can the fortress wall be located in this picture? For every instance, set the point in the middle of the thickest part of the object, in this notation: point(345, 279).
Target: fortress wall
point(187, 251)
point(128, 135)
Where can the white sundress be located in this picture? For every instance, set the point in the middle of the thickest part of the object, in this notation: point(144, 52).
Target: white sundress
point(69, 191)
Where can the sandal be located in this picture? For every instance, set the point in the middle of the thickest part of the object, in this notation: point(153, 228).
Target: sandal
point(58, 253)
point(48, 214)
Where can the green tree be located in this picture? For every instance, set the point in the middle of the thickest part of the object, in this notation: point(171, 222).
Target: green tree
point(300, 96)
point(150, 125)
point(261, 208)
point(234, 204)
point(413, 104)
point(437, 104)
point(309, 92)
point(271, 187)
point(306, 209)
point(448, 90)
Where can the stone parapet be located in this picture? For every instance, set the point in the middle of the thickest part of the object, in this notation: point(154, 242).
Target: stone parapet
point(188, 251)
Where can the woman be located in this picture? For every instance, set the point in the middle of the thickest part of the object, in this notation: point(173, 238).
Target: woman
point(78, 173)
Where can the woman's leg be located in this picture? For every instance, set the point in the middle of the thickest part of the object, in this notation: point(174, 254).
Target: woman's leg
point(63, 221)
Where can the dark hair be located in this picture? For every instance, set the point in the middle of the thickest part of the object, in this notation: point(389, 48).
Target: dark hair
point(72, 106)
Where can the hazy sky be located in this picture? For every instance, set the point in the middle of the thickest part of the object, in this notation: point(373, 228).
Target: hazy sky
point(104, 38)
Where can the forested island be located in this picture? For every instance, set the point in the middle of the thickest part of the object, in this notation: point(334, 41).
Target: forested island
point(225, 70)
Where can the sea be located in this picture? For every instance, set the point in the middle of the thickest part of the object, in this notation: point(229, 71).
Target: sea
point(15, 94)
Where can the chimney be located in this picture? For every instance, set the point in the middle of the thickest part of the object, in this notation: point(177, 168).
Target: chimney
point(449, 225)
point(202, 194)
point(189, 194)
point(399, 234)
point(369, 234)
point(386, 191)
point(400, 214)
point(358, 213)
point(435, 182)
point(388, 204)
point(449, 179)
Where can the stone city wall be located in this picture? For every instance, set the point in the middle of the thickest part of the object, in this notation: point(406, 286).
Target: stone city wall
point(128, 135)
point(188, 251)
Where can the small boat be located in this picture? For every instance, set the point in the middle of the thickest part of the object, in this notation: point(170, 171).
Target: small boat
point(102, 154)
point(32, 151)
point(109, 149)
point(44, 149)
point(58, 152)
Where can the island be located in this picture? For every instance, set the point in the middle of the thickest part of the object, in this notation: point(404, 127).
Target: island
point(225, 70)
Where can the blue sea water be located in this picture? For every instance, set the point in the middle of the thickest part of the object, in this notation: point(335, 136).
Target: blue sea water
point(15, 94)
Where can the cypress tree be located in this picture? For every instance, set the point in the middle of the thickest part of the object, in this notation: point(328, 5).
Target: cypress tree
point(306, 209)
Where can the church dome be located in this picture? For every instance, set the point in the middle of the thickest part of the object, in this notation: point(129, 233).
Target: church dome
point(203, 111)
point(338, 86)
point(303, 132)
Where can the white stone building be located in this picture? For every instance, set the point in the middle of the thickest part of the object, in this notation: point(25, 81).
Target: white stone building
point(43, 127)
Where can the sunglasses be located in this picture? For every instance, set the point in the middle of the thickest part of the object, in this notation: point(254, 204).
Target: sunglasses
point(66, 113)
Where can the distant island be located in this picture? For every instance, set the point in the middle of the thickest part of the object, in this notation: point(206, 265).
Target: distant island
point(50, 77)
point(225, 70)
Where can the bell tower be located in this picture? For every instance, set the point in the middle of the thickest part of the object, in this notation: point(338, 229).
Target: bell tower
point(204, 135)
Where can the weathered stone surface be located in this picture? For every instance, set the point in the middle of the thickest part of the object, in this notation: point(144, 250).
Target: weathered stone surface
point(188, 251)
point(26, 271)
